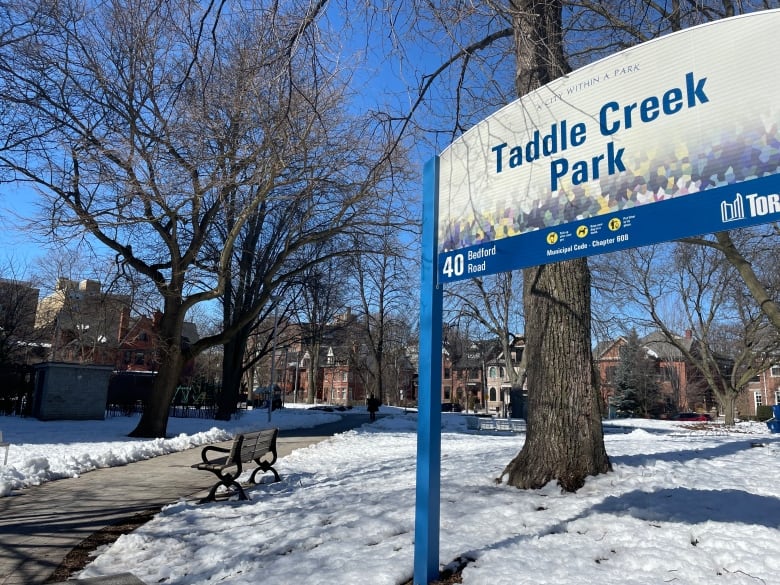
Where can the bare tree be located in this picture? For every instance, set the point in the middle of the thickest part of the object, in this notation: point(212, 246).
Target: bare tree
point(399, 369)
point(321, 299)
point(140, 121)
point(18, 301)
point(562, 443)
point(693, 287)
point(495, 302)
point(764, 288)
point(83, 299)
point(383, 288)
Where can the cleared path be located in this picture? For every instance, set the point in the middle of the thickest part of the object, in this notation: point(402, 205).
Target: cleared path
point(40, 525)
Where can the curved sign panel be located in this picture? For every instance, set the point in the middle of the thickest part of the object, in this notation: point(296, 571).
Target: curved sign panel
point(675, 137)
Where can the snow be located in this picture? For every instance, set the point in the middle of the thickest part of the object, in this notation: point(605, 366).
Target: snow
point(684, 504)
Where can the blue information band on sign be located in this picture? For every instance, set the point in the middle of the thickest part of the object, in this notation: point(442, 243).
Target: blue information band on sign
point(723, 208)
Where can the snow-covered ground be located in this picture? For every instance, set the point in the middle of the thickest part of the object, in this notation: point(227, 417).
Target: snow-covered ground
point(682, 506)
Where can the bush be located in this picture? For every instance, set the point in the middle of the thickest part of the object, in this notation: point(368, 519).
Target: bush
point(763, 412)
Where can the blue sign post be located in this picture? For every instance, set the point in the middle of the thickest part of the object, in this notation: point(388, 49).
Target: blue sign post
point(426, 528)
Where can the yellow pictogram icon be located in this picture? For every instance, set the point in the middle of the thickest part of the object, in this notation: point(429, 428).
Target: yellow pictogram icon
point(552, 238)
point(614, 224)
point(582, 231)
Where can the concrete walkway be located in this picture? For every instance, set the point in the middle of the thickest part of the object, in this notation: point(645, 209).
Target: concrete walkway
point(40, 525)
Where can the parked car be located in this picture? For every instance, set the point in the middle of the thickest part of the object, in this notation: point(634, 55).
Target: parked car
point(451, 407)
point(692, 416)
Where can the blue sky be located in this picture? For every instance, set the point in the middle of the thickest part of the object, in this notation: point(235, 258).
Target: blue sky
point(375, 81)
point(17, 206)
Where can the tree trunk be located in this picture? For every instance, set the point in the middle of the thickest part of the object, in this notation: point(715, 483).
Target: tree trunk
point(154, 420)
point(564, 438)
point(757, 289)
point(312, 372)
point(726, 396)
point(232, 372)
point(729, 404)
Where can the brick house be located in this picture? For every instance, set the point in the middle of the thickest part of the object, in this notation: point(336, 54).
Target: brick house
point(463, 381)
point(345, 378)
point(86, 325)
point(345, 366)
point(476, 377)
point(337, 380)
point(762, 390)
point(681, 385)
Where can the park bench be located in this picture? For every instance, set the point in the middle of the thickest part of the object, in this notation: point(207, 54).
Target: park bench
point(517, 425)
point(258, 447)
point(482, 423)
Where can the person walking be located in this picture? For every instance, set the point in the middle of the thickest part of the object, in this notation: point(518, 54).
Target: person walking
point(372, 405)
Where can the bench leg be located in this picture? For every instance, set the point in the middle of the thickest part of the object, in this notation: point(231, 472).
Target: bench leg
point(264, 467)
point(228, 482)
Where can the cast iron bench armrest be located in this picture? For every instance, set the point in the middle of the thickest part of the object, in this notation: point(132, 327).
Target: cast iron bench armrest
point(213, 448)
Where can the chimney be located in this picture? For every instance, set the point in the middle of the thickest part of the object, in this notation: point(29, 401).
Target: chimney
point(688, 334)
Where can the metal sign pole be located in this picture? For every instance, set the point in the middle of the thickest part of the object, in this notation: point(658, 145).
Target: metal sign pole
point(426, 540)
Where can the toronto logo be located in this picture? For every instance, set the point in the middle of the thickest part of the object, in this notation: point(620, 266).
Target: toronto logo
point(732, 211)
point(757, 206)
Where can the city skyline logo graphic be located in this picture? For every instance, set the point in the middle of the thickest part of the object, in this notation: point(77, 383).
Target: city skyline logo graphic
point(732, 211)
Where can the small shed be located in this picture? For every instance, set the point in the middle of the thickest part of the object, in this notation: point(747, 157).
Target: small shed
point(65, 391)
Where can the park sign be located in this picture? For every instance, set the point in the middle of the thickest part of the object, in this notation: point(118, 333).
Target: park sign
point(676, 137)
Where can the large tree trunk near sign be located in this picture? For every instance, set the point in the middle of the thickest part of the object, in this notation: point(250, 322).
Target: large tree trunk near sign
point(564, 439)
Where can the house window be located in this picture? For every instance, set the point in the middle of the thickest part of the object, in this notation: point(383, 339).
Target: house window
point(492, 372)
point(774, 371)
point(503, 373)
point(759, 399)
point(447, 373)
point(492, 394)
point(609, 374)
point(447, 393)
point(139, 358)
point(345, 376)
point(777, 396)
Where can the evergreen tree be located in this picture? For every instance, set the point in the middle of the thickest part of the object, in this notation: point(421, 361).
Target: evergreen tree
point(636, 380)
